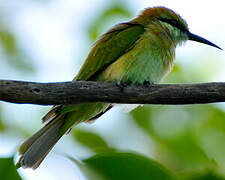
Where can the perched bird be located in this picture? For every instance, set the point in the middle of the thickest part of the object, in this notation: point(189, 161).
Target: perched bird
point(138, 51)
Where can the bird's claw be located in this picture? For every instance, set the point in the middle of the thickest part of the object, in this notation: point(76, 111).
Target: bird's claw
point(147, 83)
point(122, 85)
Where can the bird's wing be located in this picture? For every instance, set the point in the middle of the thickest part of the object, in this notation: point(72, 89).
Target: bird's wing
point(105, 51)
point(109, 48)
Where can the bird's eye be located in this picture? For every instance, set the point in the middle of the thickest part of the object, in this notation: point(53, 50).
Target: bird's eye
point(172, 22)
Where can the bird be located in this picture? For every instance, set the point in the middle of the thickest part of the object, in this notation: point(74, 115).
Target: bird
point(134, 52)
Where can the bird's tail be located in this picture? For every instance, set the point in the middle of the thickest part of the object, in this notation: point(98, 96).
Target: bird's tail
point(36, 148)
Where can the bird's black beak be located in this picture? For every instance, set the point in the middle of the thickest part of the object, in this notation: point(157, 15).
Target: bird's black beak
point(197, 38)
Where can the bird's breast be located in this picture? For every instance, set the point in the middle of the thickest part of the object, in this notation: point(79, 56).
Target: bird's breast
point(150, 59)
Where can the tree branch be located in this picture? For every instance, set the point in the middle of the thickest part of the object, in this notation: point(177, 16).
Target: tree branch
point(87, 91)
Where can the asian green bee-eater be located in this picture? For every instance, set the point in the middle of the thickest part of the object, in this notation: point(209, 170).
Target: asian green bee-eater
point(138, 51)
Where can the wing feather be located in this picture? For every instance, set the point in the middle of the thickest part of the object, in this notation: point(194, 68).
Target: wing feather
point(109, 48)
point(105, 51)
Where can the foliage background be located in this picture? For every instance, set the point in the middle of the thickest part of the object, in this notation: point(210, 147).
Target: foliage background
point(47, 41)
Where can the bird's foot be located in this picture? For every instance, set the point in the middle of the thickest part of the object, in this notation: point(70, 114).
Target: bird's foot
point(144, 84)
point(147, 83)
point(122, 85)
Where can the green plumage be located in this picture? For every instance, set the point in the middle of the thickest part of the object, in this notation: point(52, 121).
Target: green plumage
point(133, 52)
point(109, 48)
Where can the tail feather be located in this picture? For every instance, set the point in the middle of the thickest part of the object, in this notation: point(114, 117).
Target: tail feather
point(58, 121)
point(34, 150)
point(51, 114)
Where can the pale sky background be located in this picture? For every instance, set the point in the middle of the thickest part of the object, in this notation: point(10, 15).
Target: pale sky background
point(54, 34)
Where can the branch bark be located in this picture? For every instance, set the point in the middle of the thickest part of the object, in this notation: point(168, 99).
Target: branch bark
point(88, 91)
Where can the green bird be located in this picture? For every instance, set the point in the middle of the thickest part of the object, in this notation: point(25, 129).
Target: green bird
point(138, 51)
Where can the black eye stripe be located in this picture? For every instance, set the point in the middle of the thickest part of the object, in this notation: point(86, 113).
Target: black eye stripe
point(173, 23)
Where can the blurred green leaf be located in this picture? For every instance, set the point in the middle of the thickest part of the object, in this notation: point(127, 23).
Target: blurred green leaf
point(20, 63)
point(141, 116)
point(121, 166)
point(89, 173)
point(91, 140)
point(8, 170)
point(114, 10)
point(215, 119)
point(8, 41)
point(2, 127)
point(14, 55)
point(173, 130)
point(186, 152)
point(202, 176)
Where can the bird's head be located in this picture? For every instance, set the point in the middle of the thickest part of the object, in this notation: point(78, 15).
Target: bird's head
point(170, 22)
